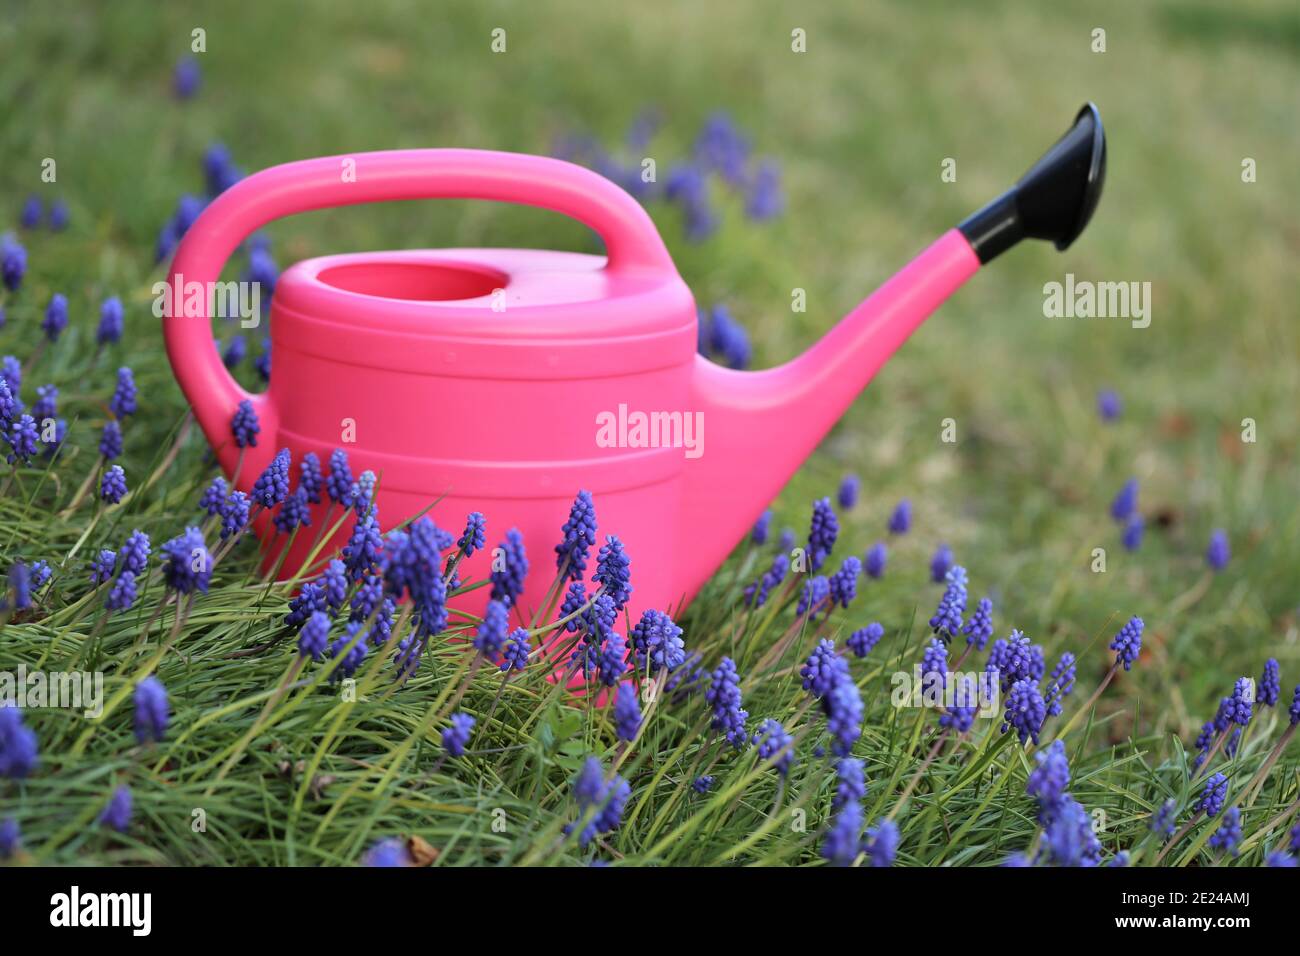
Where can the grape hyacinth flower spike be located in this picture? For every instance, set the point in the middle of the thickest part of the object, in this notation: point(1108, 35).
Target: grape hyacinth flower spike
point(244, 425)
point(578, 535)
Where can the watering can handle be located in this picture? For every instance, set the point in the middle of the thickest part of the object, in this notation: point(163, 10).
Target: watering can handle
point(630, 238)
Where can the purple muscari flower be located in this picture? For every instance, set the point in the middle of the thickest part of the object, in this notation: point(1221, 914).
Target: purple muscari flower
point(816, 594)
point(112, 486)
point(763, 197)
point(514, 656)
point(940, 563)
point(244, 426)
point(58, 215)
point(491, 634)
point(861, 641)
point(843, 706)
point(686, 186)
point(613, 571)
point(41, 572)
point(151, 711)
point(214, 496)
point(757, 593)
point(13, 262)
point(901, 520)
point(334, 581)
point(844, 582)
point(363, 550)
point(234, 514)
point(11, 370)
point(455, 737)
point(589, 785)
point(979, 628)
point(235, 352)
point(272, 485)
point(702, 784)
point(309, 600)
point(786, 541)
point(1132, 536)
point(349, 650)
point(775, 744)
point(1270, 684)
point(110, 443)
point(1108, 405)
point(1214, 795)
point(1294, 712)
point(187, 565)
point(508, 580)
point(823, 531)
point(263, 362)
point(1276, 858)
point(848, 493)
point(110, 321)
point(218, 169)
point(186, 77)
point(339, 482)
point(309, 477)
point(363, 492)
point(611, 660)
point(387, 853)
point(475, 534)
point(11, 840)
point(1128, 642)
point(1164, 820)
point(315, 635)
point(116, 815)
point(262, 270)
point(18, 747)
point(1069, 836)
point(8, 402)
point(876, 558)
point(574, 599)
point(1049, 781)
point(762, 528)
point(723, 697)
point(960, 716)
point(56, 317)
point(1015, 659)
point(658, 642)
point(1060, 683)
point(823, 669)
point(101, 568)
point(1228, 835)
point(368, 597)
point(20, 581)
point(33, 212)
point(135, 553)
point(934, 667)
point(1025, 710)
point(22, 438)
point(881, 843)
point(627, 712)
point(46, 404)
point(850, 782)
point(1217, 555)
point(578, 535)
point(721, 147)
point(1239, 708)
point(947, 616)
point(1125, 502)
point(842, 840)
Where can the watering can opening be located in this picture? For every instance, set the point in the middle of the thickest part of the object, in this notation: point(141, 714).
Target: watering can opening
point(413, 281)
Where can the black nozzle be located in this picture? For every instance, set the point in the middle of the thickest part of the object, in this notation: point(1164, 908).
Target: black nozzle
point(1054, 200)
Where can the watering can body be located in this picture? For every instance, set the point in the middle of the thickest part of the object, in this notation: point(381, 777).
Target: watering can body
point(503, 381)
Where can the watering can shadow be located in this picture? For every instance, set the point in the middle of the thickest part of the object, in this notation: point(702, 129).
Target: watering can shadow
point(504, 380)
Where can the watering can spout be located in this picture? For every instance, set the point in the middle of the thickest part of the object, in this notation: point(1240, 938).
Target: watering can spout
point(762, 425)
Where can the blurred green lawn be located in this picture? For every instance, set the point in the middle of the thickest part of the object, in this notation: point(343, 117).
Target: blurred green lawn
point(860, 125)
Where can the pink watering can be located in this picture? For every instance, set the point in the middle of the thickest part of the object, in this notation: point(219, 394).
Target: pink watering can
point(505, 380)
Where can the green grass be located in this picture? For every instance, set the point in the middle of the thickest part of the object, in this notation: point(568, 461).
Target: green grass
point(860, 125)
